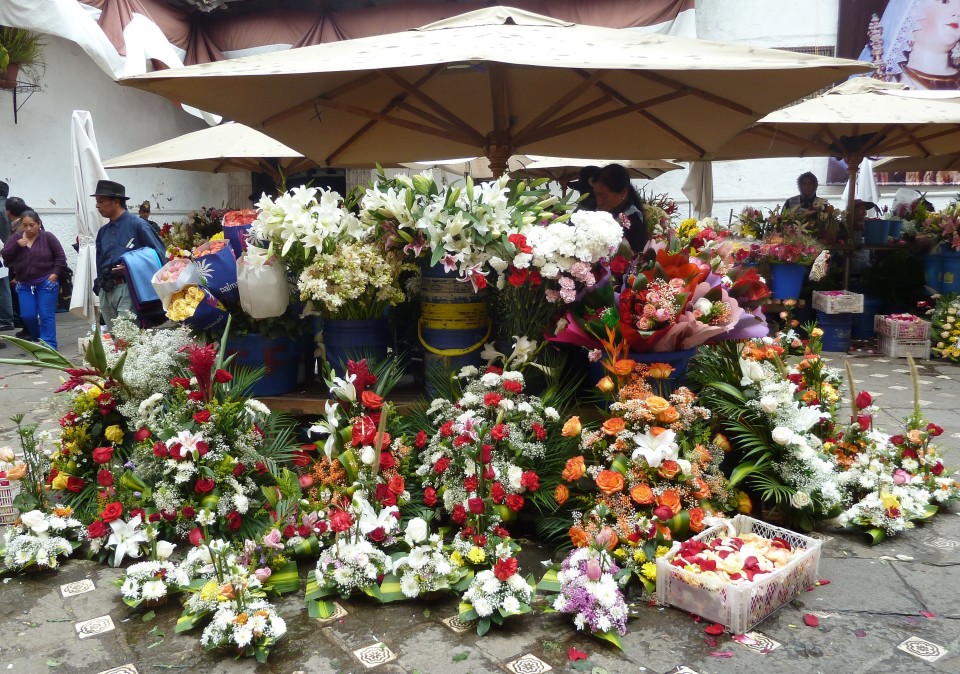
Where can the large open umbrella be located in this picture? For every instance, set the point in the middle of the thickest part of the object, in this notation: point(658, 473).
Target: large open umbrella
point(228, 147)
point(498, 82)
point(860, 118)
point(87, 170)
point(564, 169)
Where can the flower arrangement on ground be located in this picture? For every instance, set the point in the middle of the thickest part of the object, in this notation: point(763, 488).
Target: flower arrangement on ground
point(39, 539)
point(426, 569)
point(498, 591)
point(150, 583)
point(945, 327)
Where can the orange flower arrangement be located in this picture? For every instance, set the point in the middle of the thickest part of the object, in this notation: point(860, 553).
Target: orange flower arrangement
point(670, 499)
point(579, 537)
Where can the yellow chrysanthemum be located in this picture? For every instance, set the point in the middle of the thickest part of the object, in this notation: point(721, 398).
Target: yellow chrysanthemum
point(649, 571)
point(639, 556)
point(114, 434)
point(476, 555)
point(662, 550)
point(456, 558)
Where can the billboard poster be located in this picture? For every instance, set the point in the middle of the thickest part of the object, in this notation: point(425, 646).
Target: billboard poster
point(914, 42)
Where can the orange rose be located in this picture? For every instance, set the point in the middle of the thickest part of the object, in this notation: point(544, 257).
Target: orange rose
point(623, 368)
point(371, 400)
point(660, 371)
point(670, 499)
point(574, 469)
point(613, 425)
point(606, 385)
point(18, 472)
point(657, 430)
point(641, 494)
point(579, 537)
point(610, 482)
point(669, 415)
point(701, 489)
point(668, 469)
point(561, 494)
point(696, 520)
point(656, 404)
point(572, 428)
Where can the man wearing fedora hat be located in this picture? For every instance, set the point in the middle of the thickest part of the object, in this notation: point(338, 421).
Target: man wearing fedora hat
point(124, 232)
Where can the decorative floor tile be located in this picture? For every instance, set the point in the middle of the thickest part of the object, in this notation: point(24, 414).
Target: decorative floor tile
point(857, 381)
point(923, 649)
point(942, 543)
point(682, 669)
point(91, 628)
point(528, 664)
point(823, 538)
point(946, 395)
point(955, 435)
point(338, 612)
point(79, 587)
point(375, 655)
point(457, 625)
point(897, 388)
point(903, 371)
point(882, 360)
point(122, 669)
point(758, 642)
point(862, 365)
point(879, 375)
point(925, 402)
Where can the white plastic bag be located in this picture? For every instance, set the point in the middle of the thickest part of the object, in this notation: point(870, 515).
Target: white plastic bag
point(264, 292)
point(175, 275)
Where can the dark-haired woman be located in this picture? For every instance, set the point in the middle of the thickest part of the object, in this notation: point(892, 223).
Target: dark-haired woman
point(40, 262)
point(616, 195)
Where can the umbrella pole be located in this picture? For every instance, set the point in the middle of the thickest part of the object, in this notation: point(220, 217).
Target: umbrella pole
point(853, 167)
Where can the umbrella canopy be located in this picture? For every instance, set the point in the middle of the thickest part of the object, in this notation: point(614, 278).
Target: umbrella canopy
point(228, 147)
point(564, 169)
point(943, 162)
point(498, 82)
point(860, 118)
point(87, 170)
point(475, 167)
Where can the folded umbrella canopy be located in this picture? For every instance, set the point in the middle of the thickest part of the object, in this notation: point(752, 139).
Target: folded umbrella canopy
point(498, 82)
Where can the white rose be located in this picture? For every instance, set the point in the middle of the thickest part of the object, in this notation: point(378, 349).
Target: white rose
point(768, 404)
point(800, 499)
point(703, 305)
point(368, 455)
point(416, 530)
point(35, 521)
point(782, 435)
point(752, 372)
point(6, 455)
point(165, 549)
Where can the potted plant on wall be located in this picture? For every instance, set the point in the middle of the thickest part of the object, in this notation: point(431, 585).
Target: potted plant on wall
point(21, 56)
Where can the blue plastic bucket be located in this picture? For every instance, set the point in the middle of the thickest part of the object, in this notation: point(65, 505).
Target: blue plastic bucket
point(836, 331)
point(950, 276)
point(933, 271)
point(896, 229)
point(280, 355)
point(786, 280)
point(863, 323)
point(345, 340)
point(875, 231)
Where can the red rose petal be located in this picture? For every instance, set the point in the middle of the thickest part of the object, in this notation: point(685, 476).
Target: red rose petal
point(721, 654)
point(811, 620)
point(928, 614)
point(574, 654)
point(711, 642)
point(716, 629)
point(823, 581)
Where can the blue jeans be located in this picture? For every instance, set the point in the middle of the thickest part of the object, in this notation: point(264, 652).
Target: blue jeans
point(6, 304)
point(38, 307)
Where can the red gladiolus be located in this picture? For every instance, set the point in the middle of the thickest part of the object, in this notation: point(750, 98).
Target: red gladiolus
point(105, 478)
point(497, 493)
point(430, 497)
point(340, 521)
point(96, 529)
point(222, 377)
point(201, 417)
point(112, 512)
point(195, 396)
point(476, 505)
point(142, 434)
point(74, 484)
point(515, 502)
point(196, 536)
point(204, 485)
point(102, 455)
point(504, 568)
point(234, 520)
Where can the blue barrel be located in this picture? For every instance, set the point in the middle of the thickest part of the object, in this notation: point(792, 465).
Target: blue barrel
point(280, 355)
point(863, 323)
point(896, 230)
point(786, 280)
point(875, 231)
point(950, 276)
point(454, 324)
point(836, 331)
point(933, 271)
point(345, 340)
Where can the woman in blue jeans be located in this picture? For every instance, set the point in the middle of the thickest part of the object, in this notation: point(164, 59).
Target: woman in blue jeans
point(39, 261)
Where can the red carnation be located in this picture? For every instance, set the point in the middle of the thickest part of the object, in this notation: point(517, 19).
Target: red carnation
point(239, 470)
point(105, 478)
point(196, 536)
point(517, 277)
point(480, 540)
point(459, 514)
point(492, 399)
point(222, 376)
point(447, 429)
point(441, 465)
point(933, 430)
point(96, 529)
point(74, 484)
point(142, 434)
point(486, 453)
point(430, 497)
point(421, 440)
point(234, 520)
point(520, 241)
point(497, 492)
point(112, 511)
point(204, 485)
point(201, 417)
point(340, 521)
point(515, 502)
point(499, 432)
point(512, 386)
point(470, 483)
point(102, 455)
point(530, 480)
point(476, 505)
point(504, 568)
point(539, 431)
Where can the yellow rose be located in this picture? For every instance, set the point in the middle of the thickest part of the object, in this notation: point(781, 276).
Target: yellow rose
point(60, 481)
point(816, 332)
point(572, 428)
point(114, 434)
point(657, 405)
point(606, 385)
point(94, 392)
point(18, 472)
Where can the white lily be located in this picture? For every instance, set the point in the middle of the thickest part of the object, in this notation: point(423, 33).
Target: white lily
point(655, 449)
point(343, 387)
point(370, 520)
point(523, 349)
point(328, 427)
point(127, 537)
point(490, 353)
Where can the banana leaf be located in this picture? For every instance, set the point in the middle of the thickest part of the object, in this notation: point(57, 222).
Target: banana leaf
point(284, 580)
point(390, 589)
point(612, 637)
point(550, 582)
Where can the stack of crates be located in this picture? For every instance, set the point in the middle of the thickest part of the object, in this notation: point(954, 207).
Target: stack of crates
point(901, 337)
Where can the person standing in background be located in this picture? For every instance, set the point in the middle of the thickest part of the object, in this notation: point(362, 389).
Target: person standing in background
point(13, 209)
point(124, 232)
point(40, 262)
point(6, 301)
point(145, 214)
point(616, 195)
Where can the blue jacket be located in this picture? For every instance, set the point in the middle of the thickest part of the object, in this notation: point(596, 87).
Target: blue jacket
point(126, 233)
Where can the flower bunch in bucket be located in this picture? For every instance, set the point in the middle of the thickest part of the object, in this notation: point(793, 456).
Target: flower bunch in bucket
point(788, 239)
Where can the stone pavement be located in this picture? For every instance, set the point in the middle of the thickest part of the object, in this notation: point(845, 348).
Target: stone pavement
point(894, 607)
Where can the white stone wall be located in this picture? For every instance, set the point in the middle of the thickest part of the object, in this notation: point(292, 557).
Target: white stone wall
point(35, 156)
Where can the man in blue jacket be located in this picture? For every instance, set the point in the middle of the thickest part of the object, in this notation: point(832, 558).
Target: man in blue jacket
point(124, 232)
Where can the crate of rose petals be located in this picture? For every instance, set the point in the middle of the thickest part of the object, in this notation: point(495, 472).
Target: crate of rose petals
point(738, 572)
point(837, 302)
point(901, 326)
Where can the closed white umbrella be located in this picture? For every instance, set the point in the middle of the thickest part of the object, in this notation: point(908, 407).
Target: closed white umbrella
point(698, 188)
point(87, 170)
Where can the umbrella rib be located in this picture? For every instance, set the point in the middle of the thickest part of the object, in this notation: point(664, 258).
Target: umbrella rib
point(563, 101)
point(922, 139)
point(387, 119)
point(428, 117)
point(414, 90)
point(306, 105)
point(693, 91)
point(773, 133)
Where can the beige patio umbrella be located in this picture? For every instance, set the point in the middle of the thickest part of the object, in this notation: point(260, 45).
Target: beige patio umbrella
point(565, 169)
point(860, 118)
point(475, 167)
point(229, 147)
point(498, 82)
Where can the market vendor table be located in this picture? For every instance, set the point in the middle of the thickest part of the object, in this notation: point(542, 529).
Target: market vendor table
point(848, 249)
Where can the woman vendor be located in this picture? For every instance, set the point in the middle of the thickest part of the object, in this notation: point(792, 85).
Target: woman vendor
point(616, 195)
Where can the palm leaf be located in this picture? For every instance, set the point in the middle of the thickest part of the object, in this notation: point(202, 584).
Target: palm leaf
point(42, 355)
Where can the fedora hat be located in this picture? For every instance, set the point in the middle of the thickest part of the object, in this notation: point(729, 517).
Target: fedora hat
point(108, 188)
